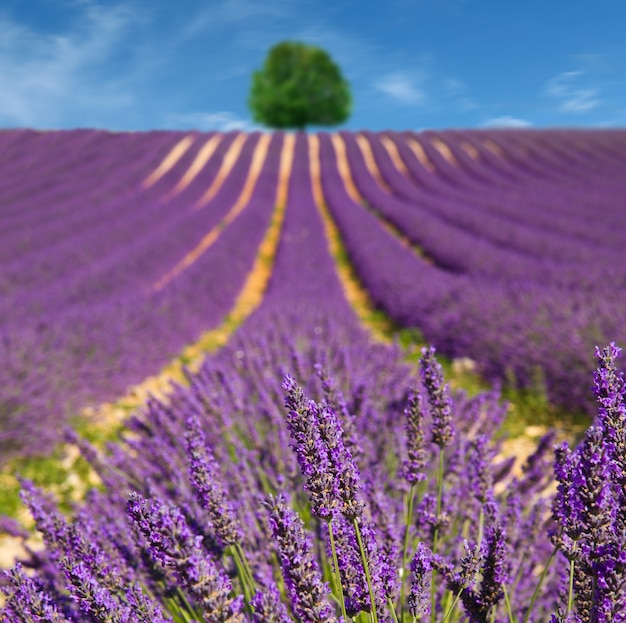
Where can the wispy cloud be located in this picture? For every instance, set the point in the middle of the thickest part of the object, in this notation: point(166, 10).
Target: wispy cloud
point(235, 12)
point(506, 121)
point(458, 93)
point(573, 96)
point(45, 75)
point(402, 87)
point(223, 121)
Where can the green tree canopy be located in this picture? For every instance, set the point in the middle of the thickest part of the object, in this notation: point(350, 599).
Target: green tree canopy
point(299, 85)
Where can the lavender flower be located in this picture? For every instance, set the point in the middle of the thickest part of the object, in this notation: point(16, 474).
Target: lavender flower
point(27, 601)
point(172, 543)
point(268, 607)
point(463, 580)
point(93, 598)
point(480, 474)
point(145, 610)
point(610, 391)
point(307, 592)
point(414, 414)
point(419, 597)
point(438, 398)
point(495, 568)
point(491, 560)
point(332, 475)
point(310, 450)
point(342, 465)
point(206, 482)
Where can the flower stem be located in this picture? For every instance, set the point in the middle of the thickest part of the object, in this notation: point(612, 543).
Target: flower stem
point(243, 570)
point(452, 607)
point(366, 568)
point(336, 571)
point(570, 595)
point(405, 549)
point(539, 583)
point(507, 602)
point(433, 586)
point(392, 609)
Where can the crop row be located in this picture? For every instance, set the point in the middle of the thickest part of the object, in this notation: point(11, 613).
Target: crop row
point(105, 277)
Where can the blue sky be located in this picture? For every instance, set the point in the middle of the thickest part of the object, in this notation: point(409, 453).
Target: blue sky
point(411, 64)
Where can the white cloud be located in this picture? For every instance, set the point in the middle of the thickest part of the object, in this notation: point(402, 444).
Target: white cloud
point(44, 75)
point(506, 121)
point(223, 121)
point(457, 92)
point(229, 12)
point(402, 87)
point(573, 97)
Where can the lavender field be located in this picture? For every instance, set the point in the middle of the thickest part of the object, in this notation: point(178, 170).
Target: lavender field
point(306, 472)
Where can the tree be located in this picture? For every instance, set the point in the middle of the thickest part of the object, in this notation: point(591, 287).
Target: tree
point(299, 85)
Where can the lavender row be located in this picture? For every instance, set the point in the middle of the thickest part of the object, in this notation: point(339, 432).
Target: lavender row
point(69, 167)
point(548, 207)
point(76, 205)
point(572, 196)
point(518, 330)
point(489, 224)
point(126, 255)
point(458, 250)
point(355, 491)
point(54, 365)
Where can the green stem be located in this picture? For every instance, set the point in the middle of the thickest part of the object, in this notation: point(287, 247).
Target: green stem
point(481, 526)
point(453, 606)
point(336, 571)
point(366, 568)
point(433, 587)
point(507, 602)
point(392, 609)
point(188, 610)
point(570, 595)
point(243, 570)
point(405, 549)
point(539, 583)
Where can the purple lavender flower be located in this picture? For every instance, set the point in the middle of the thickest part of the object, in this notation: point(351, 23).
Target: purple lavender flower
point(495, 570)
point(414, 414)
point(419, 597)
point(460, 581)
point(342, 465)
point(307, 592)
point(438, 398)
point(172, 543)
point(144, 609)
point(310, 450)
point(491, 559)
point(566, 508)
point(93, 598)
point(609, 388)
point(207, 485)
point(480, 474)
point(27, 601)
point(610, 391)
point(332, 475)
point(268, 607)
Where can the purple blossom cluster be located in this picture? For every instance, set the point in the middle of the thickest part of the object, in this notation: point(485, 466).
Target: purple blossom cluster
point(150, 546)
point(306, 474)
point(518, 273)
point(512, 265)
point(80, 318)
